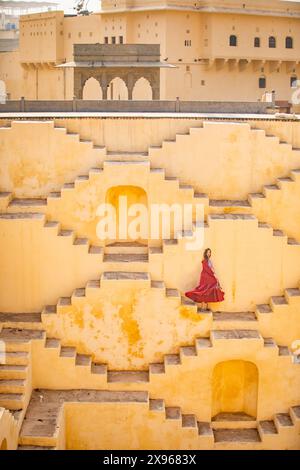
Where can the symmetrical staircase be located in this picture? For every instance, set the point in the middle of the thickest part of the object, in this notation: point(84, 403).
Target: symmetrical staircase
point(84, 380)
point(19, 330)
point(42, 428)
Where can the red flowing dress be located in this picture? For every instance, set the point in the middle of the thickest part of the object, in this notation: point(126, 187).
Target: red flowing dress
point(209, 289)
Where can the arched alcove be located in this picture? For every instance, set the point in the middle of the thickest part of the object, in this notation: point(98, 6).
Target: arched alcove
point(3, 445)
point(130, 195)
point(235, 388)
point(92, 90)
point(117, 90)
point(142, 90)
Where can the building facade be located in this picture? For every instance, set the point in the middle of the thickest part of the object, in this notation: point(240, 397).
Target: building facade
point(222, 50)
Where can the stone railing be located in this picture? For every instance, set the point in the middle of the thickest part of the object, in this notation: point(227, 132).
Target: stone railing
point(85, 106)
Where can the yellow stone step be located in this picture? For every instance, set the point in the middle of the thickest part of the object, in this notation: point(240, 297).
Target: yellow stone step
point(12, 386)
point(141, 279)
point(126, 156)
point(233, 421)
point(236, 436)
point(126, 262)
point(224, 336)
point(267, 430)
point(16, 339)
point(12, 401)
point(27, 205)
point(283, 422)
point(234, 320)
point(17, 358)
point(128, 376)
point(23, 321)
point(126, 248)
point(12, 371)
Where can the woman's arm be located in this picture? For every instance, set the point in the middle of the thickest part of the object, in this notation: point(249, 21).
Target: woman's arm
point(208, 269)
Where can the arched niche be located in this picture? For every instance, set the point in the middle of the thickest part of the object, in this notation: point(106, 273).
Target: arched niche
point(117, 196)
point(234, 388)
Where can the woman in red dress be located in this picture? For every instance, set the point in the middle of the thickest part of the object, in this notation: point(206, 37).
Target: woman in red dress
point(209, 289)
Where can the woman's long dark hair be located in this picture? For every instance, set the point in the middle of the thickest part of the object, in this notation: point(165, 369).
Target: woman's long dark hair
point(205, 253)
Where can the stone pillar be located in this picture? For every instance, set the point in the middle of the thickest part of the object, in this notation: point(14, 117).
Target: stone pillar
point(155, 93)
point(104, 91)
point(130, 91)
point(77, 85)
point(74, 104)
point(155, 85)
point(22, 104)
point(130, 82)
point(104, 85)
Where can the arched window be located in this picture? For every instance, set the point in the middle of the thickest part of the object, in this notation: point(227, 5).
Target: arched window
point(142, 90)
point(272, 42)
point(256, 42)
point(289, 42)
point(92, 90)
point(262, 83)
point(117, 90)
point(233, 41)
point(294, 82)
